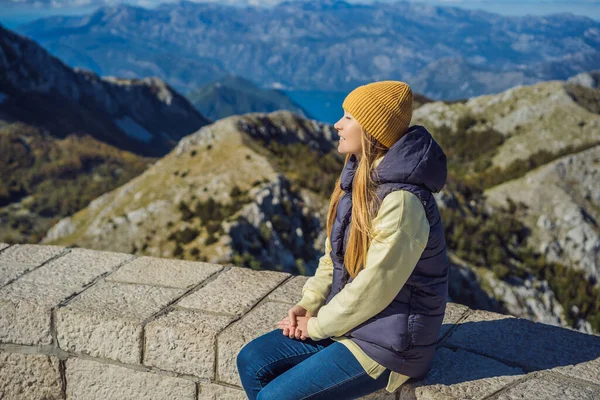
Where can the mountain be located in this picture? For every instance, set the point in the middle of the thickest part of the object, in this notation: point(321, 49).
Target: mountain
point(497, 266)
point(537, 145)
point(446, 53)
point(234, 95)
point(253, 189)
point(563, 208)
point(68, 136)
point(247, 189)
point(453, 77)
point(145, 116)
point(44, 178)
point(537, 151)
point(45, 4)
point(514, 129)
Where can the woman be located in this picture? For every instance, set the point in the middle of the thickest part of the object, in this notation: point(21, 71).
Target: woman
point(370, 316)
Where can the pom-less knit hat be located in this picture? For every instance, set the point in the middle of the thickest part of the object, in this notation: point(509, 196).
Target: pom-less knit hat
point(383, 109)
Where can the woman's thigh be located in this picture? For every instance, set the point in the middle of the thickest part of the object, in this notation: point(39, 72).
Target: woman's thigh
point(331, 373)
point(264, 358)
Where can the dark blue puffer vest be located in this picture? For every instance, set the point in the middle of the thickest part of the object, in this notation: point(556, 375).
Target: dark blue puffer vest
point(403, 336)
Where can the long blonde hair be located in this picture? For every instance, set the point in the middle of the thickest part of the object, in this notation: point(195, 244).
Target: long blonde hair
point(364, 204)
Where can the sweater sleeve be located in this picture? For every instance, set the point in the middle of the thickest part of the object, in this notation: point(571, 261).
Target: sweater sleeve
point(316, 289)
point(401, 234)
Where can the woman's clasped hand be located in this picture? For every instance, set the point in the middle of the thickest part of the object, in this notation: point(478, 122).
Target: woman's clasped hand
point(295, 324)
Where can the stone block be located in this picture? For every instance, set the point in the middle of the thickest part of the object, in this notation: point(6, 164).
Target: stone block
point(107, 320)
point(92, 380)
point(26, 304)
point(548, 387)
point(77, 268)
point(380, 395)
point(213, 391)
point(184, 341)
point(29, 376)
point(460, 375)
point(290, 291)
point(454, 312)
point(25, 312)
point(166, 272)
point(234, 291)
point(21, 258)
point(586, 370)
point(531, 345)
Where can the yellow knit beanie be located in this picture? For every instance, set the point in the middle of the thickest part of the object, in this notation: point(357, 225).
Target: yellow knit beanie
point(383, 109)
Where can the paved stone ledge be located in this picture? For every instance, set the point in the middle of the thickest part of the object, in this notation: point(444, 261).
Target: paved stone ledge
point(85, 324)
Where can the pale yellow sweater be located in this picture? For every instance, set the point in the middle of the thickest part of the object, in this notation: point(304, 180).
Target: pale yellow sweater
point(402, 231)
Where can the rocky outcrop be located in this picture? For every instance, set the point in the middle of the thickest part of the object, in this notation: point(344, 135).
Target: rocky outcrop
point(555, 125)
point(529, 298)
point(563, 208)
point(82, 323)
point(541, 117)
point(588, 79)
point(528, 295)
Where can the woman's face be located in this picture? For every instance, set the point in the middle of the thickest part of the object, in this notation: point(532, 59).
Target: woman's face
point(350, 135)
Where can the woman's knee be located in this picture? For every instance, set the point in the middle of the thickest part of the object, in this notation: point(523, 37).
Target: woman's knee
point(252, 353)
point(272, 392)
point(245, 356)
point(257, 348)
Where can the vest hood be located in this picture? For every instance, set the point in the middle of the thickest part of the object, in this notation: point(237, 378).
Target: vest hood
point(415, 158)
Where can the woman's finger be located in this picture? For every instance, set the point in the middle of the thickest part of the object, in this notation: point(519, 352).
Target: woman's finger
point(292, 317)
point(283, 324)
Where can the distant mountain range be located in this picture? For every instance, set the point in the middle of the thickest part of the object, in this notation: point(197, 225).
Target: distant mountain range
point(443, 52)
point(234, 95)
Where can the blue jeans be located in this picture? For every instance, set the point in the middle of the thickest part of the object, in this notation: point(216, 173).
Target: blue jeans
point(274, 366)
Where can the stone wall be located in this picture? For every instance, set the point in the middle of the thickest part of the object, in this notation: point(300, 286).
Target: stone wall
point(85, 324)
